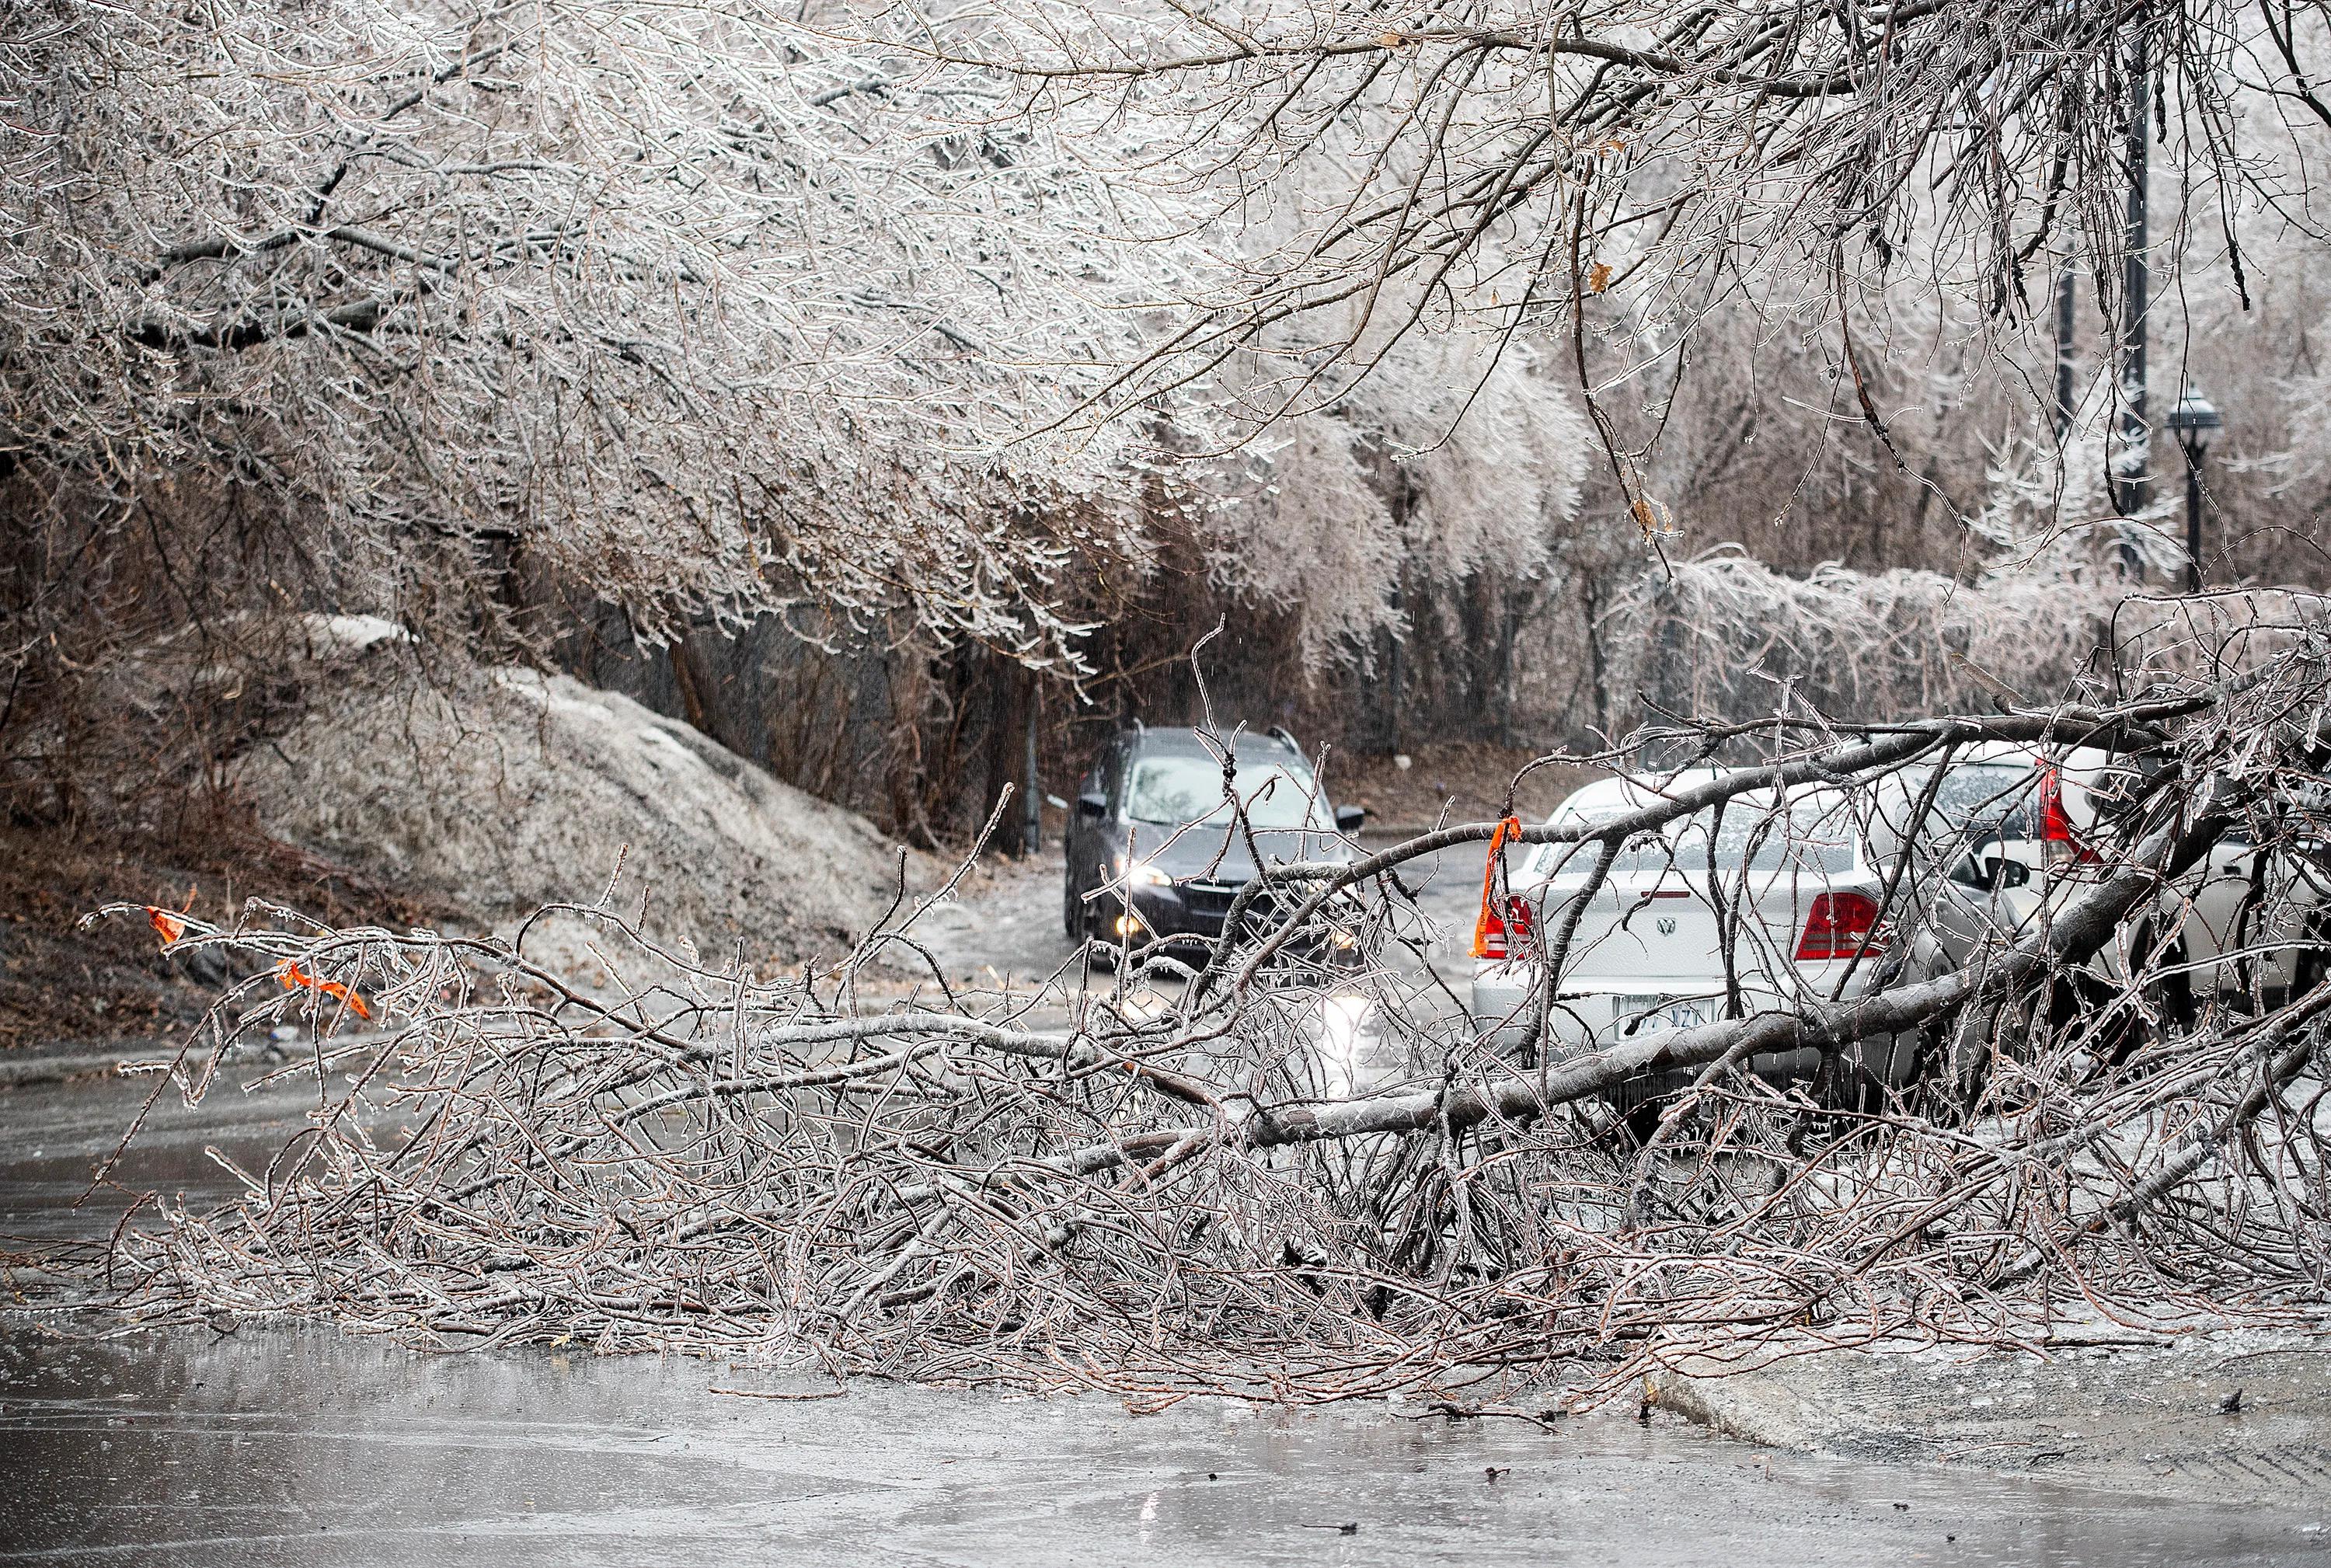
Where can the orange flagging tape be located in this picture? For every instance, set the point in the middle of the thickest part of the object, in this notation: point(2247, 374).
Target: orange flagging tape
point(171, 924)
point(1510, 827)
point(294, 977)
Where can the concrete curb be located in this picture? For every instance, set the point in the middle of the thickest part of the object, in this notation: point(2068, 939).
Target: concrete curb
point(2094, 1405)
point(17, 1071)
point(1742, 1405)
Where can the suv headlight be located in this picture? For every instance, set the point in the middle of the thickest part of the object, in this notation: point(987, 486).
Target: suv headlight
point(1142, 874)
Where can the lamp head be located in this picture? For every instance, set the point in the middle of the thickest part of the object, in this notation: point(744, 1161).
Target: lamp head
point(2196, 419)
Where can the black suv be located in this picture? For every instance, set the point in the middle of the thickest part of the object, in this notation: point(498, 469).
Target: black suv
point(1151, 829)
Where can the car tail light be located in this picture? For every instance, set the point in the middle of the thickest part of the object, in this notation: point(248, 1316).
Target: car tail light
point(2055, 826)
point(1840, 925)
point(1503, 931)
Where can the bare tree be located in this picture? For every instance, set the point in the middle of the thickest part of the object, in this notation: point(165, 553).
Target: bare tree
point(1612, 174)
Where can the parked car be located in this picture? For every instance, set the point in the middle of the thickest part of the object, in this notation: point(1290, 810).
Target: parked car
point(1774, 901)
point(2009, 833)
point(1152, 849)
point(2243, 925)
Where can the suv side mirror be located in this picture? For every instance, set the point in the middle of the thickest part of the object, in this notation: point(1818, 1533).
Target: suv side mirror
point(1092, 804)
point(1999, 871)
point(1349, 818)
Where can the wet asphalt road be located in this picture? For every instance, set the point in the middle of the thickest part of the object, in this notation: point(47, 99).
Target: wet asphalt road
point(271, 1446)
point(1009, 926)
point(306, 1447)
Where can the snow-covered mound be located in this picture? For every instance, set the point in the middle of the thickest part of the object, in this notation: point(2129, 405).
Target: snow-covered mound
point(506, 789)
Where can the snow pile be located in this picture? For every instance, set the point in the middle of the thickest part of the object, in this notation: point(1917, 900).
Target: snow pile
point(506, 789)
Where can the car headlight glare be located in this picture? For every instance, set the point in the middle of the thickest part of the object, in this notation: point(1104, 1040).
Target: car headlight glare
point(1142, 874)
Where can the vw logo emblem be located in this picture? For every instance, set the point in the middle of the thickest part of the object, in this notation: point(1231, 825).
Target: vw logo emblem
point(1667, 924)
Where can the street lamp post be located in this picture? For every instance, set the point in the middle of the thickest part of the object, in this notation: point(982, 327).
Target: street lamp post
point(2131, 484)
point(2193, 421)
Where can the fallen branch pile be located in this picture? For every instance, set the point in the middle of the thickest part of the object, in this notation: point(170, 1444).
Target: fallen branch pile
point(1297, 1178)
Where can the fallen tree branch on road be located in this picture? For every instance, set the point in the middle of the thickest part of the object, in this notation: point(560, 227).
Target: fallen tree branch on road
point(1310, 1184)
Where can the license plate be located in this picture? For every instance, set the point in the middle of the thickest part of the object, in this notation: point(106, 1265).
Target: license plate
point(1640, 1015)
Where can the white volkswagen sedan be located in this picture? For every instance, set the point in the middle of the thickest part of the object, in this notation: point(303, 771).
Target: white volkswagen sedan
point(1769, 903)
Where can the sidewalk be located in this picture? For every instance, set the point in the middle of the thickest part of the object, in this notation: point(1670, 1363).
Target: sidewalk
point(2108, 1408)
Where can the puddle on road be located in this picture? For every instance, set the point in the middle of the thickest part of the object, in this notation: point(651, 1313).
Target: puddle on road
point(309, 1446)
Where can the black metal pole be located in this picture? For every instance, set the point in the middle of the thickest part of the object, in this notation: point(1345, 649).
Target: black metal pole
point(1032, 838)
point(2194, 452)
point(2133, 461)
point(2065, 283)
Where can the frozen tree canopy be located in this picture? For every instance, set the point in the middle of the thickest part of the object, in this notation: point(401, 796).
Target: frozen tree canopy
point(715, 309)
point(691, 292)
point(684, 297)
point(1334, 509)
point(1503, 160)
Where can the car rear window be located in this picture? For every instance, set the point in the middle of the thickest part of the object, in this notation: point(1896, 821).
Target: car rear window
point(1812, 836)
point(1979, 799)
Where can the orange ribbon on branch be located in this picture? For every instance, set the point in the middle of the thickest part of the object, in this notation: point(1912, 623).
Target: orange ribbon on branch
point(294, 977)
point(1491, 867)
point(170, 923)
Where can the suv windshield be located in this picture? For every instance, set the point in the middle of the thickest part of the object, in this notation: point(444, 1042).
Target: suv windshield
point(1173, 790)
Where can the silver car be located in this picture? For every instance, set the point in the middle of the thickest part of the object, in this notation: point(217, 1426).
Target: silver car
point(1773, 902)
point(1786, 899)
point(2243, 923)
